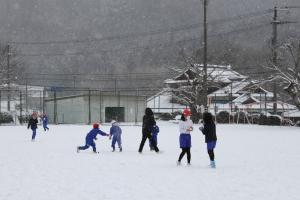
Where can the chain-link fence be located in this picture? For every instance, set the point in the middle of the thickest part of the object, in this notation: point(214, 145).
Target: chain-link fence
point(72, 106)
point(226, 107)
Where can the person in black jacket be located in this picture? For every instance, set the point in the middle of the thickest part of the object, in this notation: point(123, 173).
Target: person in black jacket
point(148, 124)
point(209, 130)
point(33, 125)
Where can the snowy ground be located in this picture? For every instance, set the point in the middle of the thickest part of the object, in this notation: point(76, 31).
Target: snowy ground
point(253, 162)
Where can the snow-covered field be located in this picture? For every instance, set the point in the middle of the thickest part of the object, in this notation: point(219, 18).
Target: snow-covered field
point(253, 162)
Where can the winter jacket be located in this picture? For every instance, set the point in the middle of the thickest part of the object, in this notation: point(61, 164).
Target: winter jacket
point(209, 131)
point(184, 126)
point(45, 120)
point(32, 123)
point(155, 130)
point(91, 136)
point(148, 123)
point(115, 130)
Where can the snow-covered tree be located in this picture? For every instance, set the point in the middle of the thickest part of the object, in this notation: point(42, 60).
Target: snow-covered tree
point(191, 90)
point(289, 71)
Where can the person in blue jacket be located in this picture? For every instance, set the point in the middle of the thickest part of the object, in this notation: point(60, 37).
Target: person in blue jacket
point(45, 122)
point(90, 137)
point(209, 130)
point(115, 135)
point(32, 123)
point(154, 133)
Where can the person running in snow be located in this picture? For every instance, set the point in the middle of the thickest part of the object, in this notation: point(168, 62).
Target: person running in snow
point(45, 122)
point(148, 123)
point(90, 137)
point(32, 123)
point(154, 133)
point(185, 128)
point(115, 133)
point(209, 130)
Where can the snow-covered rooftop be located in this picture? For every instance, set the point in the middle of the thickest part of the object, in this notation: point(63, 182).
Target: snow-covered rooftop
point(217, 73)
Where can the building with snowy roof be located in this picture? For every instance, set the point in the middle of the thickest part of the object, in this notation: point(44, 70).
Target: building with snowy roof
point(228, 91)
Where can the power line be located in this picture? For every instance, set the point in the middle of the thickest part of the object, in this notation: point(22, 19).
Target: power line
point(167, 44)
point(143, 34)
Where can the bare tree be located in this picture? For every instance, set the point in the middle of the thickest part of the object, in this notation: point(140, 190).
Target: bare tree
point(10, 69)
point(191, 92)
point(289, 71)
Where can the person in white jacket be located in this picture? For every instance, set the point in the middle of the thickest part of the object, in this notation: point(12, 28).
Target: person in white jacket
point(185, 128)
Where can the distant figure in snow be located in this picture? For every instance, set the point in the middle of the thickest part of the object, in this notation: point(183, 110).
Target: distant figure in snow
point(154, 133)
point(148, 124)
point(90, 137)
point(185, 128)
point(45, 122)
point(32, 123)
point(115, 134)
point(209, 130)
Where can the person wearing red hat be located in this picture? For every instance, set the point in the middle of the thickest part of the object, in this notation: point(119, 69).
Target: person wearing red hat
point(90, 137)
point(185, 128)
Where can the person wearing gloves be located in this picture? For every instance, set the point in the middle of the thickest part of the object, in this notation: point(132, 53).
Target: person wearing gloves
point(209, 130)
point(90, 137)
point(185, 128)
point(115, 135)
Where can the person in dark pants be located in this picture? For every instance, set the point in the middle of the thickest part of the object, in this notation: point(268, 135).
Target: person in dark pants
point(148, 124)
point(209, 130)
point(32, 123)
point(90, 137)
point(185, 128)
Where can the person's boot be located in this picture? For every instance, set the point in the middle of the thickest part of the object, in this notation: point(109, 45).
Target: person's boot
point(212, 164)
point(113, 149)
point(121, 149)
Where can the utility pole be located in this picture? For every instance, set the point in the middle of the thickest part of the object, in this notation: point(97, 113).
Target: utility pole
point(205, 4)
point(275, 23)
point(26, 93)
point(8, 78)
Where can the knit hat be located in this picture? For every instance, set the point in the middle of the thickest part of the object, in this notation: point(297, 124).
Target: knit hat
point(186, 112)
point(95, 125)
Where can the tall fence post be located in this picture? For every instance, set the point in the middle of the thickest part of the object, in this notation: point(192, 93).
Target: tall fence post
point(21, 107)
point(137, 106)
point(41, 106)
point(0, 100)
point(55, 108)
point(100, 106)
point(89, 108)
point(159, 103)
point(119, 98)
point(43, 100)
point(265, 102)
point(26, 95)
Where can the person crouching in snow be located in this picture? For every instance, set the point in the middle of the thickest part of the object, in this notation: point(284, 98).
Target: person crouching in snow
point(45, 122)
point(185, 127)
point(115, 133)
point(209, 130)
point(32, 123)
point(90, 137)
point(154, 133)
